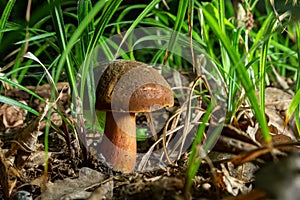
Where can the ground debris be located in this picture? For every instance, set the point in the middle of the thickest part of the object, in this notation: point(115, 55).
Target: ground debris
point(73, 188)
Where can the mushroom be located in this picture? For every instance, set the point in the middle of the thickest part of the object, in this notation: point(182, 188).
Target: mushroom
point(125, 88)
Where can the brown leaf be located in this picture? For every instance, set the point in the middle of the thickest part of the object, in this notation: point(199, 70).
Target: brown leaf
point(26, 138)
point(9, 174)
point(70, 187)
point(12, 116)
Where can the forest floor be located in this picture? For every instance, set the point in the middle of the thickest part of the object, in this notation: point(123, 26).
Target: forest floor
point(230, 171)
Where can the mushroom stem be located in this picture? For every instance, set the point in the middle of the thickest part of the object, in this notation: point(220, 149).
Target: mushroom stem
point(118, 145)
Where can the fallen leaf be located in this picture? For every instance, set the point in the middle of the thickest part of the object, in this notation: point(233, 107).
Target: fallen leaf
point(12, 116)
point(9, 175)
point(73, 188)
point(233, 184)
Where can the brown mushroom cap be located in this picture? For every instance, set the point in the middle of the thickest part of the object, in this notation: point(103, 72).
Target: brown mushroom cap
point(131, 86)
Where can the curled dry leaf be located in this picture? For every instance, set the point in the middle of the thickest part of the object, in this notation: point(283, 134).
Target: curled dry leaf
point(9, 175)
point(277, 103)
point(4, 177)
point(26, 138)
point(234, 179)
point(12, 116)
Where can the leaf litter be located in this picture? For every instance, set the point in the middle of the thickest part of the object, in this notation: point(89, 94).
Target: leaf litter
point(228, 172)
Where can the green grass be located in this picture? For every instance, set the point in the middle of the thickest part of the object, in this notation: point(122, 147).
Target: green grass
point(244, 51)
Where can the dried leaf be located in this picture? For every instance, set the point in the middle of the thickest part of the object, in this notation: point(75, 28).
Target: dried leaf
point(105, 191)
point(71, 188)
point(9, 174)
point(26, 138)
point(4, 175)
point(234, 185)
point(12, 116)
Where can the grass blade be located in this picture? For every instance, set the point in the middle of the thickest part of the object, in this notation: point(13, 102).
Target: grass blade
point(195, 158)
point(87, 70)
point(110, 9)
point(58, 21)
point(18, 104)
point(17, 85)
point(294, 106)
point(182, 8)
point(242, 73)
point(5, 16)
point(84, 7)
point(267, 30)
point(138, 20)
point(76, 35)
